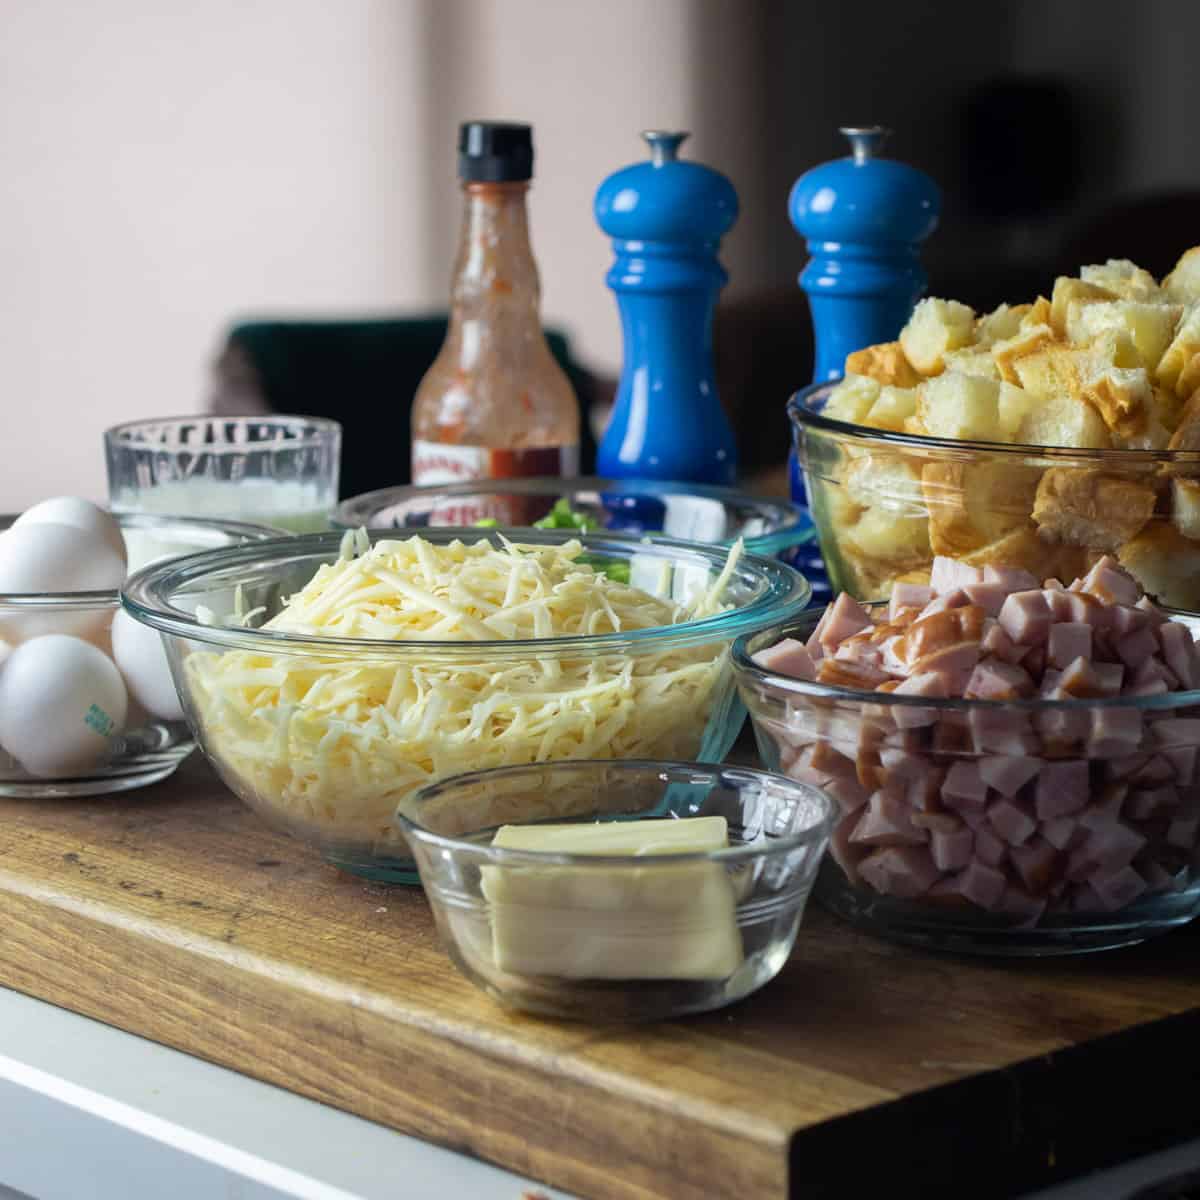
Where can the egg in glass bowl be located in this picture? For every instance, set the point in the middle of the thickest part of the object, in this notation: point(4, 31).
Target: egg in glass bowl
point(87, 703)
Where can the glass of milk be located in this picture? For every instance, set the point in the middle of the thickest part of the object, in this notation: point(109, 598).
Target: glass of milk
point(275, 470)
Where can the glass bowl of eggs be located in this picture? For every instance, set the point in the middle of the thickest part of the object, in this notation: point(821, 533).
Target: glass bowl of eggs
point(87, 704)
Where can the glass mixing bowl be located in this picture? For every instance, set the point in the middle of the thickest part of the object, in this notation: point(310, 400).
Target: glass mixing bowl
point(618, 937)
point(692, 512)
point(885, 503)
point(965, 781)
point(313, 752)
point(149, 747)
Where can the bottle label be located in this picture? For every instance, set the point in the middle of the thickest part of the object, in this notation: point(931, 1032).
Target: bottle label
point(437, 462)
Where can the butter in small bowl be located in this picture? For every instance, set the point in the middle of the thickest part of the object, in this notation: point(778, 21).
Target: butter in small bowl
point(618, 890)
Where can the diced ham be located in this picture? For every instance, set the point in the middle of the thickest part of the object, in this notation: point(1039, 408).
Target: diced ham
point(1062, 788)
point(908, 595)
point(1068, 641)
point(940, 630)
point(1061, 729)
point(1151, 669)
point(1110, 583)
point(947, 574)
point(982, 884)
point(1132, 648)
point(1011, 579)
point(951, 736)
point(1180, 652)
point(996, 643)
point(1118, 888)
point(1025, 617)
point(1105, 808)
point(944, 602)
point(953, 663)
point(902, 764)
point(903, 871)
point(1058, 600)
point(1034, 661)
point(859, 649)
point(1087, 610)
point(1019, 903)
point(1063, 833)
point(995, 680)
point(1084, 680)
point(1114, 732)
point(1001, 731)
point(924, 794)
point(1013, 821)
point(988, 847)
point(836, 672)
point(951, 851)
point(964, 786)
point(814, 644)
point(1143, 803)
point(1007, 773)
point(1156, 768)
point(844, 618)
point(846, 856)
point(1152, 611)
point(989, 596)
point(886, 822)
point(911, 716)
point(1124, 619)
point(1109, 848)
point(1183, 763)
point(787, 657)
point(1177, 731)
point(1037, 862)
point(1183, 830)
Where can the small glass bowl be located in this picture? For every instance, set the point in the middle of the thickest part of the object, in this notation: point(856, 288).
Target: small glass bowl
point(279, 469)
point(731, 915)
point(150, 747)
point(885, 503)
point(278, 768)
point(858, 743)
point(690, 511)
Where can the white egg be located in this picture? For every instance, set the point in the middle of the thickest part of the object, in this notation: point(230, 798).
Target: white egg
point(142, 659)
point(55, 558)
point(61, 700)
point(82, 514)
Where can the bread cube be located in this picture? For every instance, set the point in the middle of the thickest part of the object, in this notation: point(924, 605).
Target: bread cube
point(1184, 346)
point(852, 399)
point(1068, 291)
point(885, 363)
point(1013, 406)
point(1123, 397)
point(1165, 563)
point(971, 505)
point(1150, 326)
point(1185, 507)
point(884, 537)
point(1182, 285)
point(1027, 341)
point(1023, 548)
point(961, 407)
point(888, 481)
point(894, 406)
point(1063, 420)
point(1038, 314)
point(1084, 506)
point(935, 327)
point(1001, 323)
point(1189, 378)
point(1126, 279)
point(973, 360)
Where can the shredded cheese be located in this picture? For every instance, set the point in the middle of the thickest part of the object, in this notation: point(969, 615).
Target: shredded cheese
point(334, 743)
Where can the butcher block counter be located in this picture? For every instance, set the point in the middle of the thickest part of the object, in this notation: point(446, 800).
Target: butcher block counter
point(174, 914)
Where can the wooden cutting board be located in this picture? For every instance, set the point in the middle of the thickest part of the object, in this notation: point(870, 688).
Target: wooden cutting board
point(174, 914)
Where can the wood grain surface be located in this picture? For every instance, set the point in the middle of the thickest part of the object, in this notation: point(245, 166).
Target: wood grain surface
point(173, 913)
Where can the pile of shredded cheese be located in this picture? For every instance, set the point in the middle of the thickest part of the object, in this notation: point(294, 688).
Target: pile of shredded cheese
point(335, 743)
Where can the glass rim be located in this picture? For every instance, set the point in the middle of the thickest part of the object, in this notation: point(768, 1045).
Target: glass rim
point(145, 597)
point(802, 416)
point(813, 832)
point(111, 597)
point(323, 431)
point(745, 667)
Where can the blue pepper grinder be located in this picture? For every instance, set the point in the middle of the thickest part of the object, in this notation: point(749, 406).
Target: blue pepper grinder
point(666, 219)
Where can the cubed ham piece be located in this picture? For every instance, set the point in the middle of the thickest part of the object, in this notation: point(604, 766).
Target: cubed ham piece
point(1156, 614)
point(1061, 729)
point(1143, 803)
point(1012, 820)
point(859, 649)
point(1008, 773)
point(787, 657)
point(988, 847)
point(988, 596)
point(951, 851)
point(1180, 652)
point(1156, 768)
point(1063, 833)
point(1114, 732)
point(828, 760)
point(1152, 669)
point(849, 794)
point(1155, 687)
point(886, 822)
point(1037, 862)
point(903, 871)
point(1058, 600)
point(1016, 901)
point(993, 679)
point(1011, 579)
point(814, 644)
point(1105, 808)
point(1176, 731)
point(1085, 680)
point(1183, 763)
point(844, 618)
point(908, 595)
point(1158, 878)
point(982, 884)
point(951, 736)
point(953, 663)
point(1118, 888)
point(963, 786)
point(911, 716)
point(943, 603)
point(1124, 619)
point(1068, 641)
point(1062, 788)
point(938, 822)
point(1026, 617)
point(1110, 583)
point(996, 643)
point(1183, 830)
point(948, 574)
point(1132, 648)
point(1001, 731)
point(924, 794)
point(1034, 661)
point(836, 672)
point(1087, 610)
point(902, 764)
point(847, 856)
point(1108, 848)
point(940, 630)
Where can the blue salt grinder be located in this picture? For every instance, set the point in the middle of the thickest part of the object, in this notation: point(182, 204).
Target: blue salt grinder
point(666, 219)
point(864, 218)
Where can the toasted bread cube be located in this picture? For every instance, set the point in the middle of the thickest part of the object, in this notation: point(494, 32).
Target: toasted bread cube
point(885, 363)
point(1187, 438)
point(1165, 563)
point(1183, 347)
point(973, 360)
point(894, 406)
point(1038, 314)
point(1150, 326)
point(1013, 406)
point(1189, 377)
point(1030, 340)
point(1000, 324)
point(1083, 506)
point(935, 327)
point(885, 537)
point(1068, 291)
point(1183, 284)
point(1126, 279)
point(1063, 420)
point(851, 400)
point(971, 505)
point(960, 406)
point(887, 481)
point(1023, 548)
point(1123, 397)
point(1166, 407)
point(1185, 507)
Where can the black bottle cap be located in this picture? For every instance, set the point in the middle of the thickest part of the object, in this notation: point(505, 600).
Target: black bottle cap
point(494, 152)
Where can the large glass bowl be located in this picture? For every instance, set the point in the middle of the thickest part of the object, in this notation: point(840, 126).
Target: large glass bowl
point(150, 747)
point(965, 781)
point(618, 937)
point(692, 512)
point(287, 760)
point(885, 503)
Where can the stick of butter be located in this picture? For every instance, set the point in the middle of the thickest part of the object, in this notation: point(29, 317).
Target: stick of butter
point(615, 922)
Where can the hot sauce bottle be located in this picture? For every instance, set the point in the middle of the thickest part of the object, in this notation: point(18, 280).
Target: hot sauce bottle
point(495, 404)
